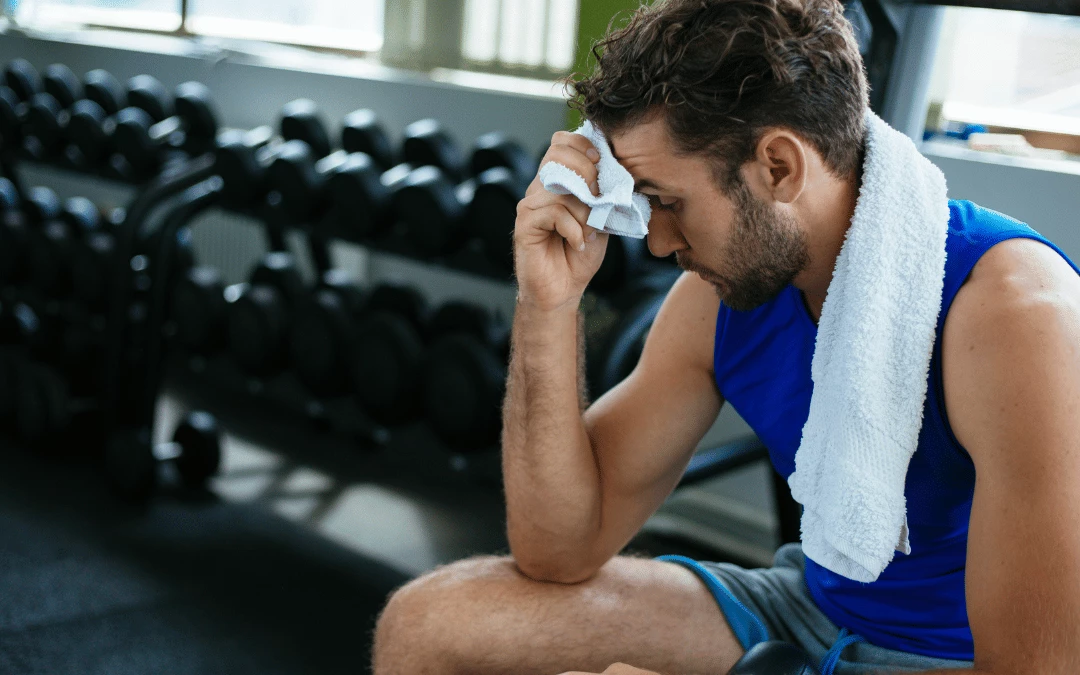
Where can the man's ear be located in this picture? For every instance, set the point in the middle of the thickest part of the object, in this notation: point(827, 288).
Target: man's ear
point(781, 165)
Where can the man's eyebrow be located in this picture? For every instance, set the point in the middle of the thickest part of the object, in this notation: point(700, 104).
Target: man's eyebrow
point(646, 183)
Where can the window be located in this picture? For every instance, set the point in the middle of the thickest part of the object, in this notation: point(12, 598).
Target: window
point(520, 34)
point(515, 37)
point(156, 15)
point(354, 25)
point(1011, 71)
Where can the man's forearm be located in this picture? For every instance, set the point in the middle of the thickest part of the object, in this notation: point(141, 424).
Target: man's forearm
point(549, 470)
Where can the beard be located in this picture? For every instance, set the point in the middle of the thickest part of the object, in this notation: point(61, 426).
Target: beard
point(765, 253)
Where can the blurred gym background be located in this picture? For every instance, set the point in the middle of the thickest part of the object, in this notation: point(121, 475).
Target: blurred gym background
point(253, 330)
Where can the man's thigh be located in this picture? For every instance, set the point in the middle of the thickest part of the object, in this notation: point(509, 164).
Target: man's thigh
point(483, 615)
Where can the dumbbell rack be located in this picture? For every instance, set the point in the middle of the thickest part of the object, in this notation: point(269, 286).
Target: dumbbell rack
point(131, 376)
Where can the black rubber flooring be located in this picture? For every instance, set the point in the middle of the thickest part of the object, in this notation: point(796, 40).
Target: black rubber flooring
point(90, 586)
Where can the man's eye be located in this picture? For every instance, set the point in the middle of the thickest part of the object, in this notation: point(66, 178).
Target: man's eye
point(657, 203)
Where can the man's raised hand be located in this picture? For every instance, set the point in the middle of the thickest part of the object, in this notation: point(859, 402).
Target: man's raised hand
point(555, 253)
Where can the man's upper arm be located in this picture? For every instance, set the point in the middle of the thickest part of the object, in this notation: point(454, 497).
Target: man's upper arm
point(645, 430)
point(1011, 359)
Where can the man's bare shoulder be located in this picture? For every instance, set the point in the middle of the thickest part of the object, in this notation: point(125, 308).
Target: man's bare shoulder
point(1017, 315)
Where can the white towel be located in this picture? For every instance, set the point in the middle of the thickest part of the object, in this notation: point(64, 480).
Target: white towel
point(871, 362)
point(618, 209)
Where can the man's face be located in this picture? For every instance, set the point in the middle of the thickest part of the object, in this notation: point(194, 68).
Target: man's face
point(749, 249)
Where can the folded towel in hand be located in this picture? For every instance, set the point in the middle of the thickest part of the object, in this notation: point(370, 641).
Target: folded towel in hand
point(871, 362)
point(618, 209)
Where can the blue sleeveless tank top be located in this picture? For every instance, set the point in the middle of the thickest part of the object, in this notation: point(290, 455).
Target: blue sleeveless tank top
point(762, 363)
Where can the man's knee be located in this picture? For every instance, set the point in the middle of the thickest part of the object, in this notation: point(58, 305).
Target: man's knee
point(436, 615)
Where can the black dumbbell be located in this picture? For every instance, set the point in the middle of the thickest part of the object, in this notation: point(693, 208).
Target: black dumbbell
point(324, 332)
point(135, 464)
point(41, 206)
point(259, 319)
point(87, 133)
point(22, 78)
point(48, 112)
point(156, 123)
point(440, 216)
point(362, 192)
point(427, 143)
point(387, 353)
point(241, 161)
point(51, 247)
point(361, 187)
point(432, 210)
point(11, 263)
point(503, 171)
point(300, 178)
point(305, 178)
point(362, 132)
point(465, 376)
point(93, 260)
point(21, 83)
point(48, 411)
point(244, 157)
point(617, 325)
point(199, 308)
point(9, 360)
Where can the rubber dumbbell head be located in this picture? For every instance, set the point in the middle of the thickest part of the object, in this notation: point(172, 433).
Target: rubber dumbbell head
point(44, 129)
point(388, 353)
point(43, 409)
point(625, 257)
point(147, 93)
point(465, 377)
point(426, 143)
point(363, 195)
point(87, 134)
point(133, 462)
point(92, 269)
point(242, 158)
point(198, 308)
point(52, 247)
point(48, 113)
point(323, 333)
point(42, 205)
point(22, 78)
point(143, 140)
point(12, 112)
point(300, 178)
point(258, 321)
point(433, 209)
point(362, 132)
point(102, 87)
point(493, 212)
point(62, 84)
point(300, 121)
point(496, 149)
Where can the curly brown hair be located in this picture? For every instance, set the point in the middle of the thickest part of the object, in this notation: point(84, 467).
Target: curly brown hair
point(723, 71)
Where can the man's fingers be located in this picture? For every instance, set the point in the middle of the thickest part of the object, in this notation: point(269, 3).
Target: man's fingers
point(570, 229)
point(543, 199)
point(575, 141)
point(576, 162)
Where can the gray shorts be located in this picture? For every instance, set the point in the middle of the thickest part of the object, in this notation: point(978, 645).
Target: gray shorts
point(778, 596)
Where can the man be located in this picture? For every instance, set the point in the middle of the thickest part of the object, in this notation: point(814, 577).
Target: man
point(743, 121)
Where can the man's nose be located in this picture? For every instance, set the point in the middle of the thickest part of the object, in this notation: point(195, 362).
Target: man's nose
point(664, 238)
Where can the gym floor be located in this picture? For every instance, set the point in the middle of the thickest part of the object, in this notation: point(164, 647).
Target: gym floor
point(281, 568)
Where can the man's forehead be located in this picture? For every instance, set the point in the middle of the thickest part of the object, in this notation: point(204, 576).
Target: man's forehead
point(645, 150)
point(646, 139)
